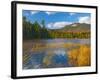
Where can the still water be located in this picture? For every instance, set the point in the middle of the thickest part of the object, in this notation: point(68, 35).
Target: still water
point(53, 56)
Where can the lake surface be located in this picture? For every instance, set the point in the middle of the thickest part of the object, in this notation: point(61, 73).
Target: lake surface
point(51, 53)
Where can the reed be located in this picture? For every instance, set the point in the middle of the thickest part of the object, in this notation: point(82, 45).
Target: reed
point(80, 56)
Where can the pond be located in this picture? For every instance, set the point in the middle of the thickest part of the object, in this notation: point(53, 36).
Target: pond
point(51, 53)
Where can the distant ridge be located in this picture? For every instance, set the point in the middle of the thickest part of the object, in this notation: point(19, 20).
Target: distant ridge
point(80, 27)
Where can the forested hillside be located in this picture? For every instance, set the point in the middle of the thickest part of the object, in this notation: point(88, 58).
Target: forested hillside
point(36, 31)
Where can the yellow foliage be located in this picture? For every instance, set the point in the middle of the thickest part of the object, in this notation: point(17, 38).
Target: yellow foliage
point(84, 56)
point(80, 56)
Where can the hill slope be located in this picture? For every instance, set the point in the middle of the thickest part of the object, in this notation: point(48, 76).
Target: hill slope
point(77, 27)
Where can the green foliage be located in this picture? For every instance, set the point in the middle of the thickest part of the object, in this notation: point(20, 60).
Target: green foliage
point(39, 31)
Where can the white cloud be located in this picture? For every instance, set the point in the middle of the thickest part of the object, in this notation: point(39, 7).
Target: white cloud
point(85, 19)
point(50, 25)
point(58, 25)
point(49, 13)
point(33, 12)
point(72, 14)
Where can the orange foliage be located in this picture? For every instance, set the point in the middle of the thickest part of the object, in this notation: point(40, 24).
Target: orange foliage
point(80, 56)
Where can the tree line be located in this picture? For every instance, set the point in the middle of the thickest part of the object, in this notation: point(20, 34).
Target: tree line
point(34, 30)
point(39, 31)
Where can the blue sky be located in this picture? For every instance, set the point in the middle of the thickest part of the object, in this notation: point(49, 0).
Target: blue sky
point(54, 20)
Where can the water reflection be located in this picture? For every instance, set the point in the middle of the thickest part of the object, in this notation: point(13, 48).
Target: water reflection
point(50, 58)
point(60, 58)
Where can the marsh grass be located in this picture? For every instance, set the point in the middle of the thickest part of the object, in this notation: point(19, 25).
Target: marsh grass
point(80, 56)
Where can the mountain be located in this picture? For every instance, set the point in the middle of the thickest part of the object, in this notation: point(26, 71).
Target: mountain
point(77, 27)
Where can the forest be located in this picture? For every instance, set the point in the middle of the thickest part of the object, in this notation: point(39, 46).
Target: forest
point(39, 31)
